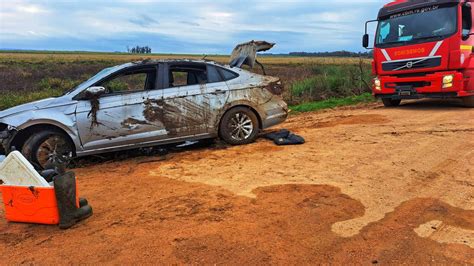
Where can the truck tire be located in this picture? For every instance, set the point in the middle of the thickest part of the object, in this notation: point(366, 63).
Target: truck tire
point(468, 101)
point(41, 147)
point(391, 102)
point(239, 126)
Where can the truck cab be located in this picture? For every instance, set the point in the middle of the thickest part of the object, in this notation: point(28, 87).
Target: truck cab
point(424, 49)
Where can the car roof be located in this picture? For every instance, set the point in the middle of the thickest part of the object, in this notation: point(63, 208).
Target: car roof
point(158, 61)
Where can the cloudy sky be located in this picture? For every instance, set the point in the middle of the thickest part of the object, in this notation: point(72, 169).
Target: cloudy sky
point(184, 26)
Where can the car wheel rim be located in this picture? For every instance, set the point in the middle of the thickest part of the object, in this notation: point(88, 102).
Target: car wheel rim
point(241, 127)
point(53, 150)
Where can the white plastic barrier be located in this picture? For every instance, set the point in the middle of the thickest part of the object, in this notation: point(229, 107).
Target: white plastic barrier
point(15, 170)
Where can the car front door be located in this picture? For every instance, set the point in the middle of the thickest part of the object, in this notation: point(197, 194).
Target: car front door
point(128, 114)
point(194, 94)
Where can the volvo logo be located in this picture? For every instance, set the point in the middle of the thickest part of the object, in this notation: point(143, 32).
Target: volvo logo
point(410, 64)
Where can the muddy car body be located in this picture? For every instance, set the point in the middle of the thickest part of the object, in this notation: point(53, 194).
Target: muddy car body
point(144, 104)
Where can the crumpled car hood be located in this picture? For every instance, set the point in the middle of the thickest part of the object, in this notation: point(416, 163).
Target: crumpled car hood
point(46, 103)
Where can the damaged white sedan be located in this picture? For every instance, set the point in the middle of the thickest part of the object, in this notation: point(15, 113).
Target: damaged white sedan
point(144, 104)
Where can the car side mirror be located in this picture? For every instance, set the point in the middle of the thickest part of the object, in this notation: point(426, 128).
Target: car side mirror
point(95, 92)
point(365, 41)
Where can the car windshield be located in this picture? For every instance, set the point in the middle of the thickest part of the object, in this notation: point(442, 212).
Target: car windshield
point(417, 25)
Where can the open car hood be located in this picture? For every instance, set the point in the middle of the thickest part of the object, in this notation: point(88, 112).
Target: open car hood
point(246, 53)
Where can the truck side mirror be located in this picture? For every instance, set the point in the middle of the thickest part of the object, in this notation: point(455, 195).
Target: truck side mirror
point(365, 41)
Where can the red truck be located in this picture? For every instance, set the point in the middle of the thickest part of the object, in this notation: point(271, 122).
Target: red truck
point(423, 49)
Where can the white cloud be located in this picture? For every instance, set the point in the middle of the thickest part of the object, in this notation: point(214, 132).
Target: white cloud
point(31, 9)
point(209, 23)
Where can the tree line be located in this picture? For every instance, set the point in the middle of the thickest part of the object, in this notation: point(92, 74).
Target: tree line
point(139, 50)
point(333, 54)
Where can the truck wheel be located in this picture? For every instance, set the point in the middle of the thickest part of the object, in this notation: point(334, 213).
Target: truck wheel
point(44, 147)
point(391, 103)
point(468, 101)
point(239, 126)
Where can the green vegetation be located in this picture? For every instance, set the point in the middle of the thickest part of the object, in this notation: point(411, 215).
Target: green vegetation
point(329, 81)
point(10, 99)
point(47, 87)
point(332, 103)
point(56, 84)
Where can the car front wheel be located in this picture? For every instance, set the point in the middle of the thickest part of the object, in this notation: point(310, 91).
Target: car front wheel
point(46, 148)
point(239, 126)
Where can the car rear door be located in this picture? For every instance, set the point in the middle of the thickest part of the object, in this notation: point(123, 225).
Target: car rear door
point(192, 98)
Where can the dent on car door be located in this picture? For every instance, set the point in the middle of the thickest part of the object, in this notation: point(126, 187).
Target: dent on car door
point(191, 102)
point(126, 115)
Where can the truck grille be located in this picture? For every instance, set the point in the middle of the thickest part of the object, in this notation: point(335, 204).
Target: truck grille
point(416, 63)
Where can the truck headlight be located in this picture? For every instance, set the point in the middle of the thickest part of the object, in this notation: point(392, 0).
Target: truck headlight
point(378, 84)
point(448, 81)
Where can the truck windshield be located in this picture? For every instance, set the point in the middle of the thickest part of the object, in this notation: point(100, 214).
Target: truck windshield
point(420, 25)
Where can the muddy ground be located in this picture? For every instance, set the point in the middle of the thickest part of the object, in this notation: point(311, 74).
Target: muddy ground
point(371, 186)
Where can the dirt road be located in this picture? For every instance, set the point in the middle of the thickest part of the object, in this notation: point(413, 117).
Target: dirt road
point(371, 186)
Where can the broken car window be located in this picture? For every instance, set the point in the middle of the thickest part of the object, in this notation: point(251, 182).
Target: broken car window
point(186, 75)
point(135, 80)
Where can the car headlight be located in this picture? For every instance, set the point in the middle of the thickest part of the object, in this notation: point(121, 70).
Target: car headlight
point(378, 84)
point(448, 81)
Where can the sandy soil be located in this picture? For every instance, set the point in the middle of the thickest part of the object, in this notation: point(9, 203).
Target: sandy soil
point(371, 186)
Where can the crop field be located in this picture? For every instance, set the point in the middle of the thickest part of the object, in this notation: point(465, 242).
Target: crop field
point(370, 185)
point(124, 57)
point(31, 76)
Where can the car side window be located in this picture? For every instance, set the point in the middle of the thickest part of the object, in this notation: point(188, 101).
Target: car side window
point(187, 74)
point(131, 80)
point(213, 74)
point(227, 74)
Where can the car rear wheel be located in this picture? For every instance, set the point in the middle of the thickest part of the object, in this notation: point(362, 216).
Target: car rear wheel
point(47, 147)
point(391, 102)
point(468, 101)
point(239, 126)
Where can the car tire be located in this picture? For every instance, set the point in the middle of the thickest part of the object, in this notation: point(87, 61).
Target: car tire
point(391, 102)
point(239, 126)
point(468, 101)
point(40, 148)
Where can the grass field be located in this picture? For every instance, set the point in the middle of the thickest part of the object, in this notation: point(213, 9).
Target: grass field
point(29, 76)
point(124, 57)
